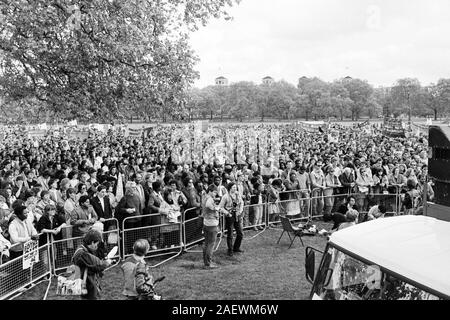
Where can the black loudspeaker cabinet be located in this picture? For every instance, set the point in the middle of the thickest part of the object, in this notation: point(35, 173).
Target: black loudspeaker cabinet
point(442, 193)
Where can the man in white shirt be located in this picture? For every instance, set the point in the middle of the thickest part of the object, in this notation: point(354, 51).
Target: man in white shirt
point(101, 204)
point(20, 231)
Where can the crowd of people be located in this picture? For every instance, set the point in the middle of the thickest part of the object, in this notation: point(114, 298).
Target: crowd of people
point(50, 183)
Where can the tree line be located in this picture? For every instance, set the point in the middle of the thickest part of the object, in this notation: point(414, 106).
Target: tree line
point(314, 99)
point(104, 60)
point(99, 59)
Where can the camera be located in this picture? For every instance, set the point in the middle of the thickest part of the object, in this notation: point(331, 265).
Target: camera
point(234, 209)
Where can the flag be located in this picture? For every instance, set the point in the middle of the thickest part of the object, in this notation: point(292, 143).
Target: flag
point(229, 146)
point(363, 124)
point(134, 132)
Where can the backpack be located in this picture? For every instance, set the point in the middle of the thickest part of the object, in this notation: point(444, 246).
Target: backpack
point(72, 283)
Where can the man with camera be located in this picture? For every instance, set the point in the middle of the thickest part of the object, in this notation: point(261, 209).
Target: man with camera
point(211, 216)
point(233, 206)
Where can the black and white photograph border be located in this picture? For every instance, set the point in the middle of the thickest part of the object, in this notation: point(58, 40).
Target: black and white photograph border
point(224, 157)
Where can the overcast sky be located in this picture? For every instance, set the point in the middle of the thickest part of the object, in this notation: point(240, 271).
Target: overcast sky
point(376, 40)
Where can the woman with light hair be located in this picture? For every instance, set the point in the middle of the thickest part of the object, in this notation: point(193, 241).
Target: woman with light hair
point(255, 167)
point(331, 182)
point(351, 216)
point(410, 174)
point(396, 178)
point(64, 185)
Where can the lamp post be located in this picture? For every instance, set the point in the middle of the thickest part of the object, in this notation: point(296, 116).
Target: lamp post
point(433, 94)
point(407, 92)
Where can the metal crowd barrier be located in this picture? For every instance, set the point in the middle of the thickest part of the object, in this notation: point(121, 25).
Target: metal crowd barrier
point(257, 219)
point(174, 238)
point(331, 203)
point(196, 225)
point(164, 239)
point(14, 278)
point(321, 204)
point(296, 205)
point(256, 216)
point(62, 250)
point(193, 228)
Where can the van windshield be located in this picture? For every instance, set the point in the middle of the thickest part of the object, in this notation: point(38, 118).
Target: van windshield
point(343, 277)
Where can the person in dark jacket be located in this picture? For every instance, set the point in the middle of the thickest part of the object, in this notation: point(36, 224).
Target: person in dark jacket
point(154, 203)
point(50, 223)
point(193, 206)
point(86, 257)
point(347, 179)
point(339, 217)
point(147, 186)
point(102, 206)
point(19, 190)
point(129, 205)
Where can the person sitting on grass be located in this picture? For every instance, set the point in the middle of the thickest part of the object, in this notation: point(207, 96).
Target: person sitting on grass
point(339, 217)
point(376, 212)
point(351, 216)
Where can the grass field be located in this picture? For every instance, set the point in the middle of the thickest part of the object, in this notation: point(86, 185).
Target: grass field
point(265, 271)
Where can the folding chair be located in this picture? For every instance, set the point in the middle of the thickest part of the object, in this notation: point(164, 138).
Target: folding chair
point(290, 229)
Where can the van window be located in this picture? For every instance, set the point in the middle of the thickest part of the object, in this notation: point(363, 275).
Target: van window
point(347, 278)
point(395, 289)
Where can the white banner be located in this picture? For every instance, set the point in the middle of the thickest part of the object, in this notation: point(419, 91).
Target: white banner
point(333, 136)
point(30, 253)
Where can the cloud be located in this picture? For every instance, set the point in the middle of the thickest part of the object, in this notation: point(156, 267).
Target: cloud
point(379, 40)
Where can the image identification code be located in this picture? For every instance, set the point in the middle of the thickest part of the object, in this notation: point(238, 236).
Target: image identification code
point(226, 309)
point(236, 309)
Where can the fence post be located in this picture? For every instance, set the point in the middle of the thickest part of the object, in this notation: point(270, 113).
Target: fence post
point(123, 238)
point(50, 259)
point(183, 230)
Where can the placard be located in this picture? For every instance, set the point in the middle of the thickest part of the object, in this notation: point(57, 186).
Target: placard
point(30, 253)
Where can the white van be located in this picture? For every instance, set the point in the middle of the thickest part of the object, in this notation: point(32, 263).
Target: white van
point(397, 258)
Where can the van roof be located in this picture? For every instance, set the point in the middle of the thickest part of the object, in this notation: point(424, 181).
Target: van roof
point(416, 247)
